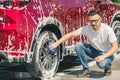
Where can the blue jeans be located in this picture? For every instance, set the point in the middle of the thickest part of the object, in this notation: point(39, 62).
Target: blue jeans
point(83, 49)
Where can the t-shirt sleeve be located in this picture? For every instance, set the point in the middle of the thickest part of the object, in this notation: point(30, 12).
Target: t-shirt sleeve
point(81, 31)
point(112, 36)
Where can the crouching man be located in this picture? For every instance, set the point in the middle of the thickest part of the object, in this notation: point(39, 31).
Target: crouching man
point(101, 45)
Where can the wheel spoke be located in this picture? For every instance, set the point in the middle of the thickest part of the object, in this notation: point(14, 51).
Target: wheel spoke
point(49, 65)
point(48, 62)
point(47, 59)
point(44, 62)
point(117, 32)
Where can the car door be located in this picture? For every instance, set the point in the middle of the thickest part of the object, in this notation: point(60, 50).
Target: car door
point(69, 13)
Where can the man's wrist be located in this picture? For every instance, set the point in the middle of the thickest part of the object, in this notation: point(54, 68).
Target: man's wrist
point(105, 55)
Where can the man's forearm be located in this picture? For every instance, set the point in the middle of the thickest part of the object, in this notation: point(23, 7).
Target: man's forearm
point(68, 36)
point(64, 38)
point(112, 50)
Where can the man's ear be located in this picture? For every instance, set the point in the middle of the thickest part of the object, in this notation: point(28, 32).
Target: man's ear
point(100, 19)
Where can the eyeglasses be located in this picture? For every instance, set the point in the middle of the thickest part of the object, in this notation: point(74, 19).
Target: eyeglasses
point(93, 21)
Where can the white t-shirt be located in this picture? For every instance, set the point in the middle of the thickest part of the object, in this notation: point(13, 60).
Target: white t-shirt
point(100, 40)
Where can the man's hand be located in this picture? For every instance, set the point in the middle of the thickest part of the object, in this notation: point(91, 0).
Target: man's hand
point(99, 58)
point(54, 45)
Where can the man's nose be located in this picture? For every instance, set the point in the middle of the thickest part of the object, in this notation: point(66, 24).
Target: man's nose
point(93, 22)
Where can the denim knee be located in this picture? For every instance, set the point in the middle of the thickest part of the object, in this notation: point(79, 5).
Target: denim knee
point(105, 64)
point(101, 64)
point(78, 46)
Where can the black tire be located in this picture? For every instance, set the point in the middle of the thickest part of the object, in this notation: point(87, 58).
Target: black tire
point(116, 28)
point(44, 64)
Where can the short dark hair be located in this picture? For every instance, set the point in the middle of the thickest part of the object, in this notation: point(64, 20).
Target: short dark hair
point(93, 12)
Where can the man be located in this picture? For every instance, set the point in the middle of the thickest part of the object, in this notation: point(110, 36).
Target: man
point(101, 45)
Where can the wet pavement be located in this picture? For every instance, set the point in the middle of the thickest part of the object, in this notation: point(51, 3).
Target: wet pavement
point(68, 70)
point(97, 74)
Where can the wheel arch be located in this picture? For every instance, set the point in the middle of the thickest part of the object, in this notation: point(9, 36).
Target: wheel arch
point(116, 19)
point(53, 25)
point(116, 16)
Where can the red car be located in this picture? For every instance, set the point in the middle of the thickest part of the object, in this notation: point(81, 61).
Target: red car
point(27, 28)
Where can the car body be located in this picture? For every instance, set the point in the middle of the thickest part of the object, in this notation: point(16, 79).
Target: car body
point(27, 28)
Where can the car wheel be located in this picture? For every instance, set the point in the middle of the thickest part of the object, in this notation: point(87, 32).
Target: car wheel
point(116, 28)
point(45, 63)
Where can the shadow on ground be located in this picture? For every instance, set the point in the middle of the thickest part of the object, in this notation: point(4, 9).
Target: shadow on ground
point(10, 72)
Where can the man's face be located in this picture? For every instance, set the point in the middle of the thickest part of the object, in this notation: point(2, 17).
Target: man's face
point(94, 21)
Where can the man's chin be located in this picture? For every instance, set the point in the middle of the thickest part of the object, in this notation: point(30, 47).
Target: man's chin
point(94, 28)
